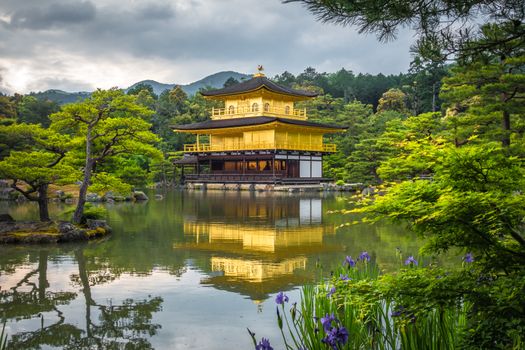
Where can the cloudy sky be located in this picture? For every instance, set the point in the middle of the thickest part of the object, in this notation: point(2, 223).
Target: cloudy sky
point(80, 45)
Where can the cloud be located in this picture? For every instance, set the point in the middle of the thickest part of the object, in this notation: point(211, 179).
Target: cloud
point(52, 15)
point(68, 44)
point(155, 12)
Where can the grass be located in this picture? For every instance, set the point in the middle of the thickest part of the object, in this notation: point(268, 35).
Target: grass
point(372, 319)
point(3, 338)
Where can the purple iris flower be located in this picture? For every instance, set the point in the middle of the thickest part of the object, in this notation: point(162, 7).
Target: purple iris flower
point(411, 260)
point(469, 258)
point(344, 277)
point(281, 298)
point(331, 292)
point(264, 344)
point(349, 261)
point(364, 256)
point(326, 321)
point(336, 337)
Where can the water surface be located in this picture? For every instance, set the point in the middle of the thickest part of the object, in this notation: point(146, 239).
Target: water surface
point(190, 271)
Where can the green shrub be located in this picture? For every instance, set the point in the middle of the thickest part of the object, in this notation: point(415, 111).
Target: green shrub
point(91, 212)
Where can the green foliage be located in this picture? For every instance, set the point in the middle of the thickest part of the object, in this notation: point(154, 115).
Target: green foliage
point(393, 100)
point(413, 142)
point(370, 149)
point(431, 21)
point(32, 110)
point(104, 182)
point(37, 162)
point(7, 107)
point(107, 127)
point(485, 100)
point(137, 89)
point(94, 213)
point(375, 312)
point(91, 212)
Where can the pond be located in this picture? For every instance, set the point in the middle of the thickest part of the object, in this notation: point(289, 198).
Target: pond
point(190, 271)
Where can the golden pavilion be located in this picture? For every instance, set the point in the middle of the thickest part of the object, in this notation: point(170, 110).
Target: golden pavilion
point(257, 137)
point(263, 244)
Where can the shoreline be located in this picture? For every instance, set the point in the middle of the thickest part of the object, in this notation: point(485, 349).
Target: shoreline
point(37, 232)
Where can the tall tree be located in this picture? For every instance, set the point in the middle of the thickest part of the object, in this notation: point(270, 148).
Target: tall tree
point(486, 95)
point(7, 107)
point(35, 111)
point(443, 27)
point(107, 124)
point(135, 90)
point(37, 164)
point(393, 100)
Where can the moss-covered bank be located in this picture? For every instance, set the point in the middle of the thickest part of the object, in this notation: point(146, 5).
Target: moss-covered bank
point(12, 232)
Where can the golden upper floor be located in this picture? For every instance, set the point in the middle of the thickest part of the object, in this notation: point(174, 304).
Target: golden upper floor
point(257, 97)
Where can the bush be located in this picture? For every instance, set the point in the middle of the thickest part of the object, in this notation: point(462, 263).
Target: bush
point(91, 212)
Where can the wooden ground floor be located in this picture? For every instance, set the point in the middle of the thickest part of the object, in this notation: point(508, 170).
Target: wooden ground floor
point(252, 167)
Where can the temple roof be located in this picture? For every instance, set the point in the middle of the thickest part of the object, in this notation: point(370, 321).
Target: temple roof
point(252, 121)
point(256, 83)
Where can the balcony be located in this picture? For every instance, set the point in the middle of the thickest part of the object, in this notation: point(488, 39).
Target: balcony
point(242, 112)
point(206, 147)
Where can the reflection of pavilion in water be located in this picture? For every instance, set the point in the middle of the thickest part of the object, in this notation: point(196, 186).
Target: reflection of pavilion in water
point(258, 243)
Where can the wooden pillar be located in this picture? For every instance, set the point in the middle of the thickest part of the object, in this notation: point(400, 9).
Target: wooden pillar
point(273, 166)
point(198, 148)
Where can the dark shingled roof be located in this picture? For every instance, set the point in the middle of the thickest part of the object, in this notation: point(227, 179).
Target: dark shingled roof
point(257, 83)
point(250, 121)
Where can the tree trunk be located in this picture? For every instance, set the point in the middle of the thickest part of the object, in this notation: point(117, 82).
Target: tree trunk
point(79, 211)
point(42, 202)
point(42, 276)
point(86, 288)
point(505, 141)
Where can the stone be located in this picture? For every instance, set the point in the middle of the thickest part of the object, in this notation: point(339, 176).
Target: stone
point(368, 191)
point(93, 224)
point(4, 184)
point(108, 195)
point(70, 232)
point(140, 196)
point(159, 197)
point(6, 218)
point(93, 197)
point(60, 194)
point(7, 194)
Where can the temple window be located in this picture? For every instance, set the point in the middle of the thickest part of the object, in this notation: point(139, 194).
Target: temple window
point(231, 110)
point(287, 110)
point(255, 107)
point(267, 107)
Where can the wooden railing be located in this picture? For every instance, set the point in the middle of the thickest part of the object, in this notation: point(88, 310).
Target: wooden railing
point(240, 112)
point(241, 146)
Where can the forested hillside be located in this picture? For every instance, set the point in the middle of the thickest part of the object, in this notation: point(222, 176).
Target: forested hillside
point(363, 102)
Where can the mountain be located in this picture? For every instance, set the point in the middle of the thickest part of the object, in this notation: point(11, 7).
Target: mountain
point(215, 81)
point(61, 97)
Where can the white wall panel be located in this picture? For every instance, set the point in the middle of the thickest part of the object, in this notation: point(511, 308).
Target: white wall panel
point(304, 168)
point(317, 169)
